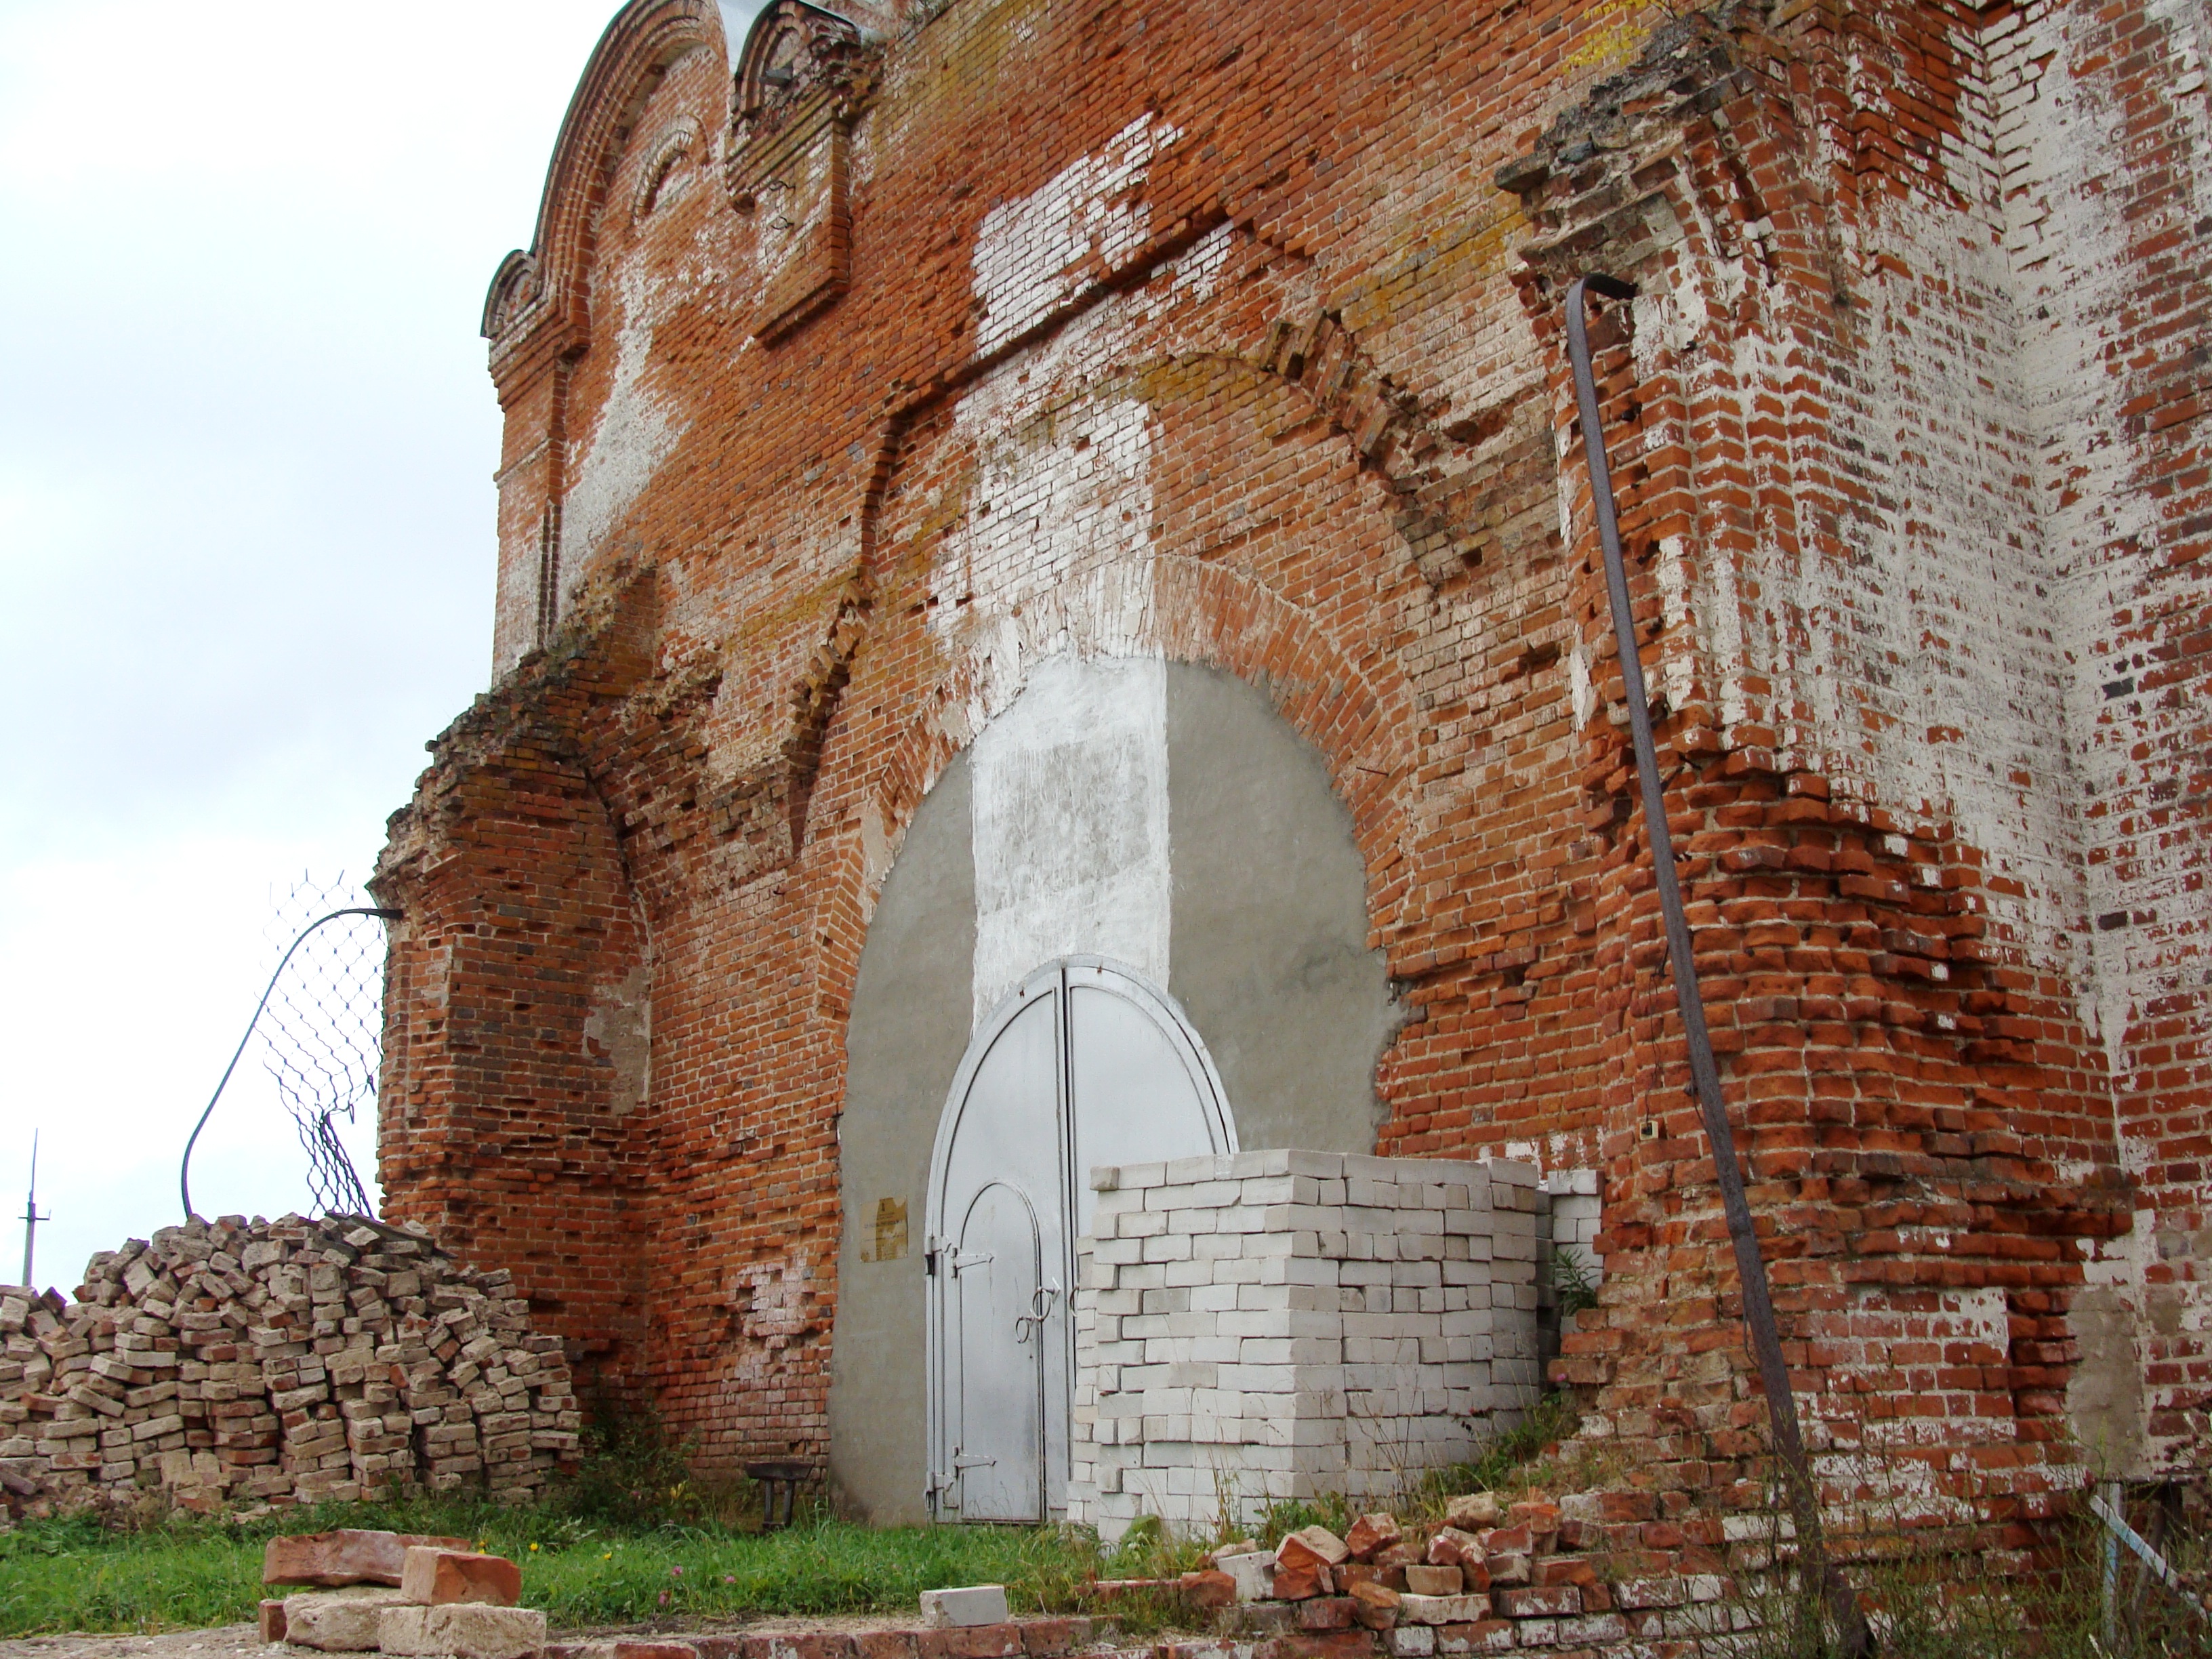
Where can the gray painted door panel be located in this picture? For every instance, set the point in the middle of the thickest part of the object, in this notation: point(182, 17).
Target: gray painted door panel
point(996, 1273)
point(1004, 1152)
point(1136, 1099)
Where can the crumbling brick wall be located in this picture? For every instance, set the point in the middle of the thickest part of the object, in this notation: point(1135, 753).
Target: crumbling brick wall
point(1925, 1059)
point(1231, 334)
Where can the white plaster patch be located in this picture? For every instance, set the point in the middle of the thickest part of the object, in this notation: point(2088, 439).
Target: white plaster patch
point(792, 209)
point(1054, 551)
point(1562, 451)
point(2119, 1262)
point(879, 845)
point(637, 431)
point(1041, 501)
point(1723, 642)
point(1678, 666)
point(1036, 254)
point(768, 1300)
point(2067, 137)
point(1946, 596)
point(1069, 824)
point(1196, 273)
point(1581, 687)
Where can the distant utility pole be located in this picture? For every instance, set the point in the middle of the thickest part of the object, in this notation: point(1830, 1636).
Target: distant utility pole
point(31, 1216)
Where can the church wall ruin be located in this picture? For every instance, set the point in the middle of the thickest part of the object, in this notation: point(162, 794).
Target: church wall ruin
point(991, 335)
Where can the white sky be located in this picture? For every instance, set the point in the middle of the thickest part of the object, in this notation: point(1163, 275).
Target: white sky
point(245, 529)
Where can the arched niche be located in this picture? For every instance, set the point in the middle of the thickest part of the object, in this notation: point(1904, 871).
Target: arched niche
point(1159, 815)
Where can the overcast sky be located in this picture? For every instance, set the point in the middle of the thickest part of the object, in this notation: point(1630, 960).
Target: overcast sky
point(245, 527)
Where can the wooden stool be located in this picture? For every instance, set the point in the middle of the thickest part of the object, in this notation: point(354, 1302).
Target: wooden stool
point(782, 1471)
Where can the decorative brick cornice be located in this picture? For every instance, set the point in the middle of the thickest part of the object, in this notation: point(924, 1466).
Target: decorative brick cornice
point(538, 309)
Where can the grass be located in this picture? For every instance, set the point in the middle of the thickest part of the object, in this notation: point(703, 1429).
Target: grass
point(189, 1572)
point(632, 1540)
point(1523, 1461)
point(73, 1575)
point(76, 1576)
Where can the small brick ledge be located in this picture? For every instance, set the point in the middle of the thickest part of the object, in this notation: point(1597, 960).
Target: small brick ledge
point(1643, 1620)
point(1656, 1620)
point(1018, 1639)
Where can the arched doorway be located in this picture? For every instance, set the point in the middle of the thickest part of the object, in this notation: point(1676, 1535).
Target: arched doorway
point(1084, 1064)
point(1162, 818)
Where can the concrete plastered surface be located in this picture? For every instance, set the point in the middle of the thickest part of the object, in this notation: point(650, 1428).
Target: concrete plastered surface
point(908, 1029)
point(1161, 814)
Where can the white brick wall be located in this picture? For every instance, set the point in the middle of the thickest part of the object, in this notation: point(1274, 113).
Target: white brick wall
point(1279, 1324)
point(1569, 1198)
point(1568, 1214)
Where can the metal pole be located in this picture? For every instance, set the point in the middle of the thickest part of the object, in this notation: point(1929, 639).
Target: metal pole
point(1751, 1268)
point(2111, 1598)
point(2118, 1532)
point(184, 1168)
point(31, 1216)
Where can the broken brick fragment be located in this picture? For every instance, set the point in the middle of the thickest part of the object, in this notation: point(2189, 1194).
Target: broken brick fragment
point(349, 1557)
point(1371, 1534)
point(432, 1578)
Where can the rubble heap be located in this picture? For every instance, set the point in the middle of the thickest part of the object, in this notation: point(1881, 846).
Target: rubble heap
point(1497, 1576)
point(276, 1362)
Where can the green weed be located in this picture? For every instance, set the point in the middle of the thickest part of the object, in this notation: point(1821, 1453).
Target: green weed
point(1927, 1603)
point(1574, 1282)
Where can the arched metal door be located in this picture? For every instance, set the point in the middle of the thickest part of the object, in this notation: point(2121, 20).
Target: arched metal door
point(1084, 1064)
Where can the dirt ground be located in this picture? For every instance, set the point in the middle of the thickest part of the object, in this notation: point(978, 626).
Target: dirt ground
point(240, 1641)
point(227, 1642)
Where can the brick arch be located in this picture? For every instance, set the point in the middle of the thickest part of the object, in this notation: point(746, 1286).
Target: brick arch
point(511, 1103)
point(538, 303)
point(1184, 609)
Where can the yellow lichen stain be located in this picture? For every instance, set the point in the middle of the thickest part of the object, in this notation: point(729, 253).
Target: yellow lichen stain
point(1191, 380)
point(1463, 252)
point(1619, 29)
point(965, 55)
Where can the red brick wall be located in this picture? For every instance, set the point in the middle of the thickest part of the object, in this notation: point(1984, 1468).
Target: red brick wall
point(501, 1126)
point(2106, 223)
point(1215, 333)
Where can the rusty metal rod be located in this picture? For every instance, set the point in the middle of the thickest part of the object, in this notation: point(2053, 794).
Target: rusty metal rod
point(1728, 1171)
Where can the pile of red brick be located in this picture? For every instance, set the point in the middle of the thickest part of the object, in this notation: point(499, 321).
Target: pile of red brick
point(389, 1592)
point(1495, 1578)
point(244, 1363)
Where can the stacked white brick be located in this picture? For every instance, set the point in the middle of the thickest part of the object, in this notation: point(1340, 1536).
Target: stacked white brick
point(1569, 1213)
point(277, 1362)
point(1281, 1324)
point(1569, 1199)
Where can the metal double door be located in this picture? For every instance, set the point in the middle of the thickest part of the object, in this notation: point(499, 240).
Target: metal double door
point(1085, 1065)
